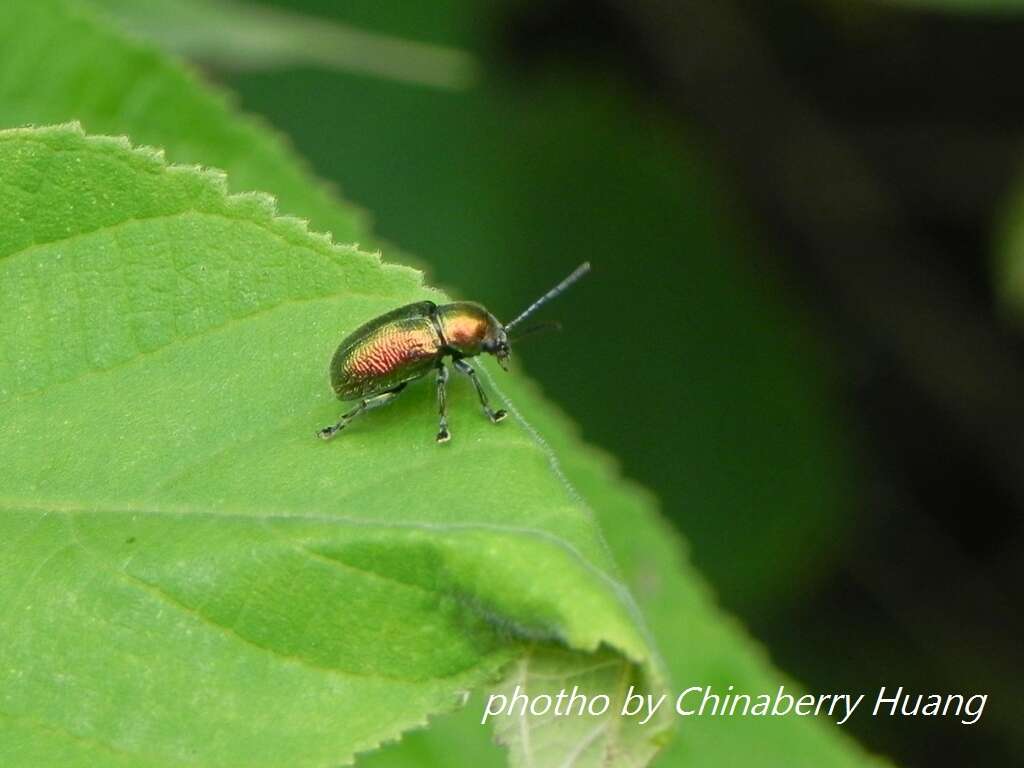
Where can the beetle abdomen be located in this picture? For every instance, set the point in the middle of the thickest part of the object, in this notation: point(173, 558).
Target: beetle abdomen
point(385, 353)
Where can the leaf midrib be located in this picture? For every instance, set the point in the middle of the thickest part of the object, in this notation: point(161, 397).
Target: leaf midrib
point(89, 743)
point(8, 505)
point(224, 629)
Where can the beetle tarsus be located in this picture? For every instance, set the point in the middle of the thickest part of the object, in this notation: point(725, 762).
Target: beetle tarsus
point(443, 435)
point(466, 368)
point(364, 405)
point(328, 432)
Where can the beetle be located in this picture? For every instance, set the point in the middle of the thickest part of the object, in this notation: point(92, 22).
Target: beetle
point(375, 362)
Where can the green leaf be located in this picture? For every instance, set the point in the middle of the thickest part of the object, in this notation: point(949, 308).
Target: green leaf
point(566, 725)
point(197, 562)
point(60, 65)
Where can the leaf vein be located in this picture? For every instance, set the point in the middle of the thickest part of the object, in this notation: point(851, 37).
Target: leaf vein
point(15, 505)
point(85, 741)
point(157, 592)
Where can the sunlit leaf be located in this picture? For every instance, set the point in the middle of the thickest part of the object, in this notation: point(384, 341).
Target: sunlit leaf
point(185, 565)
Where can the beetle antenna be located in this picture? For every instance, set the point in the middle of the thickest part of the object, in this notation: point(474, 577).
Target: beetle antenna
point(532, 330)
point(558, 290)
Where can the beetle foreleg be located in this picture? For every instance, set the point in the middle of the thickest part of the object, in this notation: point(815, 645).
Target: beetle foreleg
point(466, 368)
point(443, 436)
point(364, 405)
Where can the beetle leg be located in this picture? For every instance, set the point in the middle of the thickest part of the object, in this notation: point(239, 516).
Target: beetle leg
point(443, 436)
point(364, 405)
point(466, 368)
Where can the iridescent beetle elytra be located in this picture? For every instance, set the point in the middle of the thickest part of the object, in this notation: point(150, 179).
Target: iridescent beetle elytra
point(376, 361)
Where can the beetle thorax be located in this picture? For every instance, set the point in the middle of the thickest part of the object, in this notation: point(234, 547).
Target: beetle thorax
point(467, 327)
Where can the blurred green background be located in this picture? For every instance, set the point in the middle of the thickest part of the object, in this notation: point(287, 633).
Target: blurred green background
point(791, 333)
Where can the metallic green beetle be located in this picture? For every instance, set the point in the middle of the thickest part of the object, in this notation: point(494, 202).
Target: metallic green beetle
point(378, 359)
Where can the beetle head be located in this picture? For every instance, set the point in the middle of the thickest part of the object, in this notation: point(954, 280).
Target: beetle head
point(498, 346)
